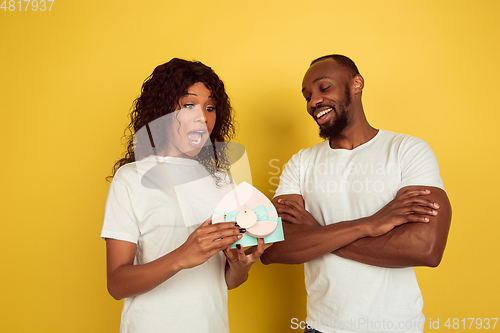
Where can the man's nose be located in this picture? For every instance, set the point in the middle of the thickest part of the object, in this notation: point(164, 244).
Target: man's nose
point(315, 100)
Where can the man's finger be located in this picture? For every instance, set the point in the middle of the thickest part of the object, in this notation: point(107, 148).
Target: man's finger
point(414, 192)
point(416, 209)
point(290, 203)
point(287, 210)
point(420, 201)
point(290, 219)
point(417, 218)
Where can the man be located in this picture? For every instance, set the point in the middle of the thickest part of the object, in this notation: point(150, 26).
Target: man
point(361, 209)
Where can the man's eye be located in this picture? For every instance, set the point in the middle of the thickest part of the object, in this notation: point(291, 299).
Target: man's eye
point(308, 98)
point(325, 88)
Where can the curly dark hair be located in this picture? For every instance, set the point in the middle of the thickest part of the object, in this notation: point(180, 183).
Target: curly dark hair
point(160, 95)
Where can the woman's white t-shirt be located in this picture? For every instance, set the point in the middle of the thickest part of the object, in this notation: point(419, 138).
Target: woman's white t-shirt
point(158, 213)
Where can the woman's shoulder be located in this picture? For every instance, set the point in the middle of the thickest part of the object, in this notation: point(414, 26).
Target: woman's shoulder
point(131, 172)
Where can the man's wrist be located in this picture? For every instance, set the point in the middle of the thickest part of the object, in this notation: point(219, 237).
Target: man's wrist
point(363, 227)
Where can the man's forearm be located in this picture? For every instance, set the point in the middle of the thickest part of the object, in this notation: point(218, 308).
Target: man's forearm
point(411, 244)
point(304, 243)
point(396, 249)
point(419, 215)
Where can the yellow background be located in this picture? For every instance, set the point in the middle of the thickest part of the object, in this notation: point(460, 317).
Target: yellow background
point(68, 78)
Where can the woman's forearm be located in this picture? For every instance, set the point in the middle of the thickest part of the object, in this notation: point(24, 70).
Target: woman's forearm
point(131, 280)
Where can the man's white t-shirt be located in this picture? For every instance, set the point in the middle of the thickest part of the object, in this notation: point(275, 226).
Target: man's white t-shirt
point(341, 185)
point(159, 220)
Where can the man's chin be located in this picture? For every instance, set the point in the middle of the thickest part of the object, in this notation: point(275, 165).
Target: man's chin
point(327, 135)
point(330, 132)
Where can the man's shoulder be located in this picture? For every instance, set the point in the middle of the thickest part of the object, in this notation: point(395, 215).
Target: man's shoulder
point(397, 136)
point(310, 152)
point(400, 139)
point(321, 146)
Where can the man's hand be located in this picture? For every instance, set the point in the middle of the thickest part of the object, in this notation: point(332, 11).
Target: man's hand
point(396, 240)
point(292, 212)
point(409, 206)
point(410, 244)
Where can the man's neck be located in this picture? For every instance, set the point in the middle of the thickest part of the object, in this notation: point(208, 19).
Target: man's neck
point(353, 136)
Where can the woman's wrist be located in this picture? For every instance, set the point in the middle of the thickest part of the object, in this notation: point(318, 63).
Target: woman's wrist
point(177, 262)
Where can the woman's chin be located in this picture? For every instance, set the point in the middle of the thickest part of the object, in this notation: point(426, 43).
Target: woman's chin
point(192, 152)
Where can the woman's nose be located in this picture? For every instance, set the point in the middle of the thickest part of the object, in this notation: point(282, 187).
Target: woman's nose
point(200, 114)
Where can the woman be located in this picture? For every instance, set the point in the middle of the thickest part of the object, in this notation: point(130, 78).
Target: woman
point(173, 272)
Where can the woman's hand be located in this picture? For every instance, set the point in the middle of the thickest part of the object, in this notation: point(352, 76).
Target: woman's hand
point(207, 240)
point(126, 279)
point(239, 262)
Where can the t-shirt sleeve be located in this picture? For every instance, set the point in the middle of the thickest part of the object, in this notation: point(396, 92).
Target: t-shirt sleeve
point(419, 165)
point(120, 221)
point(290, 177)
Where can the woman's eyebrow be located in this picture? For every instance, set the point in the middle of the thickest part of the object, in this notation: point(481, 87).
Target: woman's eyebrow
point(193, 94)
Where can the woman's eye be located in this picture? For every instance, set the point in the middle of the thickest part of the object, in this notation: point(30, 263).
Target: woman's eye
point(189, 106)
point(210, 108)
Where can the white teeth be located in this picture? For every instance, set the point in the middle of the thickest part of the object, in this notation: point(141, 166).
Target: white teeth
point(195, 137)
point(323, 113)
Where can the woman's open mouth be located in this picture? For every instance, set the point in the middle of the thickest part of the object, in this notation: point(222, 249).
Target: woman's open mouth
point(197, 138)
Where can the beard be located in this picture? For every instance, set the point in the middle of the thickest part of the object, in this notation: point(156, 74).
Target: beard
point(334, 130)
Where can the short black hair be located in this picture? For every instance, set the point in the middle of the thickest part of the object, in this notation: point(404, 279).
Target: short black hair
point(342, 61)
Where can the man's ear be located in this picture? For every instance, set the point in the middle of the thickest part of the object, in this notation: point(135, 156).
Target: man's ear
point(358, 84)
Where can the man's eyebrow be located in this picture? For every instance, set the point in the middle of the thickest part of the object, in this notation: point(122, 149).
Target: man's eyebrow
point(316, 80)
point(321, 78)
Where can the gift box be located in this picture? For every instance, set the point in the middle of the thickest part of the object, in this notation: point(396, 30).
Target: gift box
point(252, 210)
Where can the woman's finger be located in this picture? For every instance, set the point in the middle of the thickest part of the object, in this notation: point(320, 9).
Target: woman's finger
point(220, 243)
point(229, 254)
point(206, 222)
point(241, 253)
point(215, 227)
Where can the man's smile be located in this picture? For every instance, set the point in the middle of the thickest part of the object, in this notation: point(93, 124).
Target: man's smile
point(323, 115)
